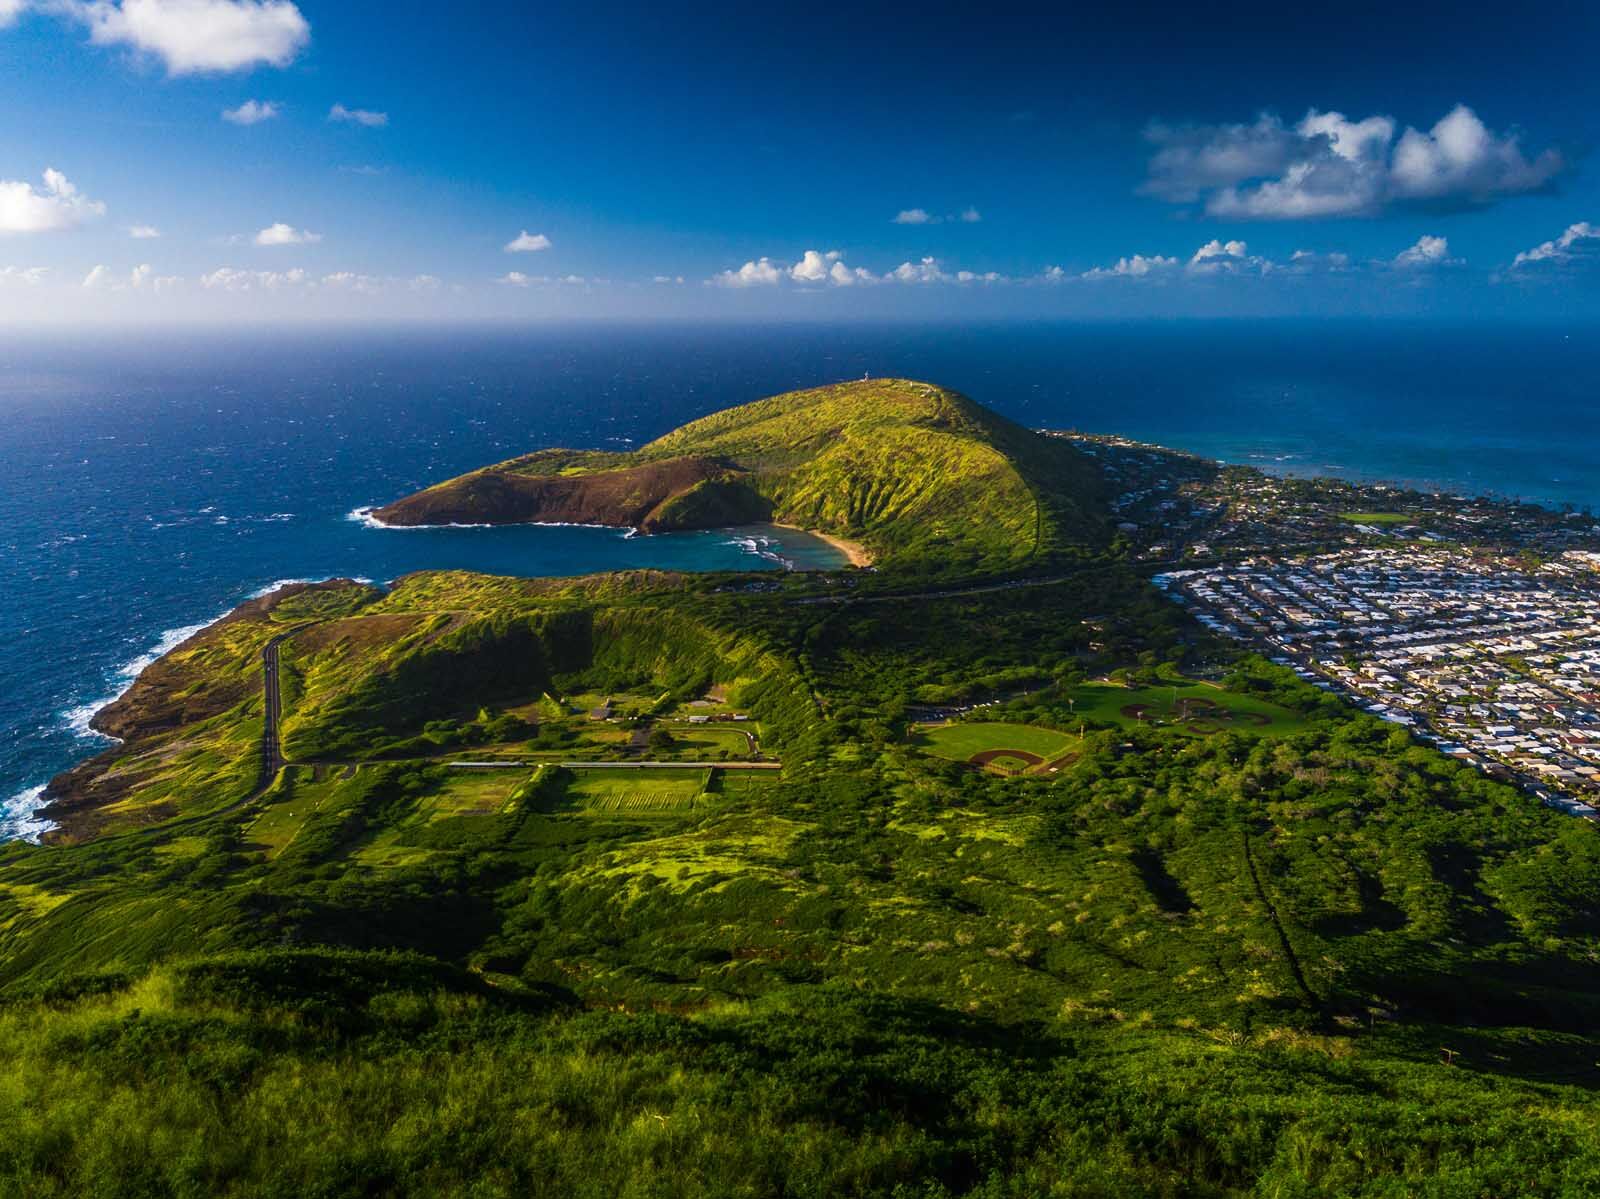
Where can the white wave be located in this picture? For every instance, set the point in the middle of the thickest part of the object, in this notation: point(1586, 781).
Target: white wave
point(761, 546)
point(281, 583)
point(78, 718)
point(170, 640)
point(18, 816)
point(364, 516)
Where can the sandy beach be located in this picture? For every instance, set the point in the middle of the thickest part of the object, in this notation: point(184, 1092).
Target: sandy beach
point(857, 553)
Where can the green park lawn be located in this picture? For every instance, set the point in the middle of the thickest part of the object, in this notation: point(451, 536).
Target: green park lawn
point(961, 742)
point(1184, 708)
point(1377, 518)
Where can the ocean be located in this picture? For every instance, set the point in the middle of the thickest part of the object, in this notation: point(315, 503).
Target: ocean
point(150, 482)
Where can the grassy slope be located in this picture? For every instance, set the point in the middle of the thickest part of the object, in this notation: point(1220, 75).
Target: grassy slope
point(1184, 965)
point(921, 475)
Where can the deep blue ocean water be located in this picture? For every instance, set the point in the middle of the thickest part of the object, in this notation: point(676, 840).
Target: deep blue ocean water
point(149, 483)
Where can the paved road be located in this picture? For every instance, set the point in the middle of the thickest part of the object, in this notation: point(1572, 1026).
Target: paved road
point(271, 743)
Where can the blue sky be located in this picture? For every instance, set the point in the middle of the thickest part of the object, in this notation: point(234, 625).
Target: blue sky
point(781, 161)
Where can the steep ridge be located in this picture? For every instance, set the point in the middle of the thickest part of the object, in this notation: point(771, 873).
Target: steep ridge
point(917, 473)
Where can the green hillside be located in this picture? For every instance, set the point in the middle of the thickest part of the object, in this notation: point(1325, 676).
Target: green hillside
point(1310, 958)
point(921, 476)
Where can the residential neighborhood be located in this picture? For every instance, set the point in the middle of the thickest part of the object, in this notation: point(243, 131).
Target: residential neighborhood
point(1495, 661)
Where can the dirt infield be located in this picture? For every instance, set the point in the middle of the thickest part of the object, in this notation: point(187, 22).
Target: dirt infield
point(993, 758)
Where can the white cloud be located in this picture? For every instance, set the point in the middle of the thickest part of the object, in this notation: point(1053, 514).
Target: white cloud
point(358, 116)
point(252, 112)
point(1137, 266)
point(674, 279)
point(1330, 166)
point(351, 281)
point(527, 243)
point(425, 283)
point(817, 268)
point(926, 271)
point(1460, 158)
point(228, 279)
point(10, 10)
point(1578, 243)
point(841, 275)
point(814, 266)
point(760, 273)
point(199, 36)
point(921, 216)
point(1429, 251)
point(1311, 262)
point(27, 276)
point(143, 232)
point(1218, 257)
point(59, 206)
point(514, 279)
point(280, 234)
point(141, 278)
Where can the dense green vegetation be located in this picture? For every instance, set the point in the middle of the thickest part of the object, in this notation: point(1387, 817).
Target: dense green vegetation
point(1228, 936)
point(925, 478)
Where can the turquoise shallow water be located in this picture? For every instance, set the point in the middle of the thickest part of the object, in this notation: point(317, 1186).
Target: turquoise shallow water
point(149, 483)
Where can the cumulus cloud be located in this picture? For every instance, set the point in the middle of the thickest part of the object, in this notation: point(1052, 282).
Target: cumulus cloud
point(514, 279)
point(358, 116)
point(195, 37)
point(664, 279)
point(1330, 166)
point(280, 234)
point(1429, 251)
point(1219, 257)
point(425, 283)
point(814, 266)
point(1578, 244)
point(927, 270)
point(759, 273)
point(24, 209)
point(26, 276)
point(913, 216)
point(971, 216)
point(9, 11)
point(1137, 266)
point(527, 243)
point(143, 232)
point(252, 112)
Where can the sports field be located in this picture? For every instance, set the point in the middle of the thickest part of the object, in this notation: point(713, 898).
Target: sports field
point(1376, 518)
point(637, 792)
point(1001, 747)
point(1192, 708)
